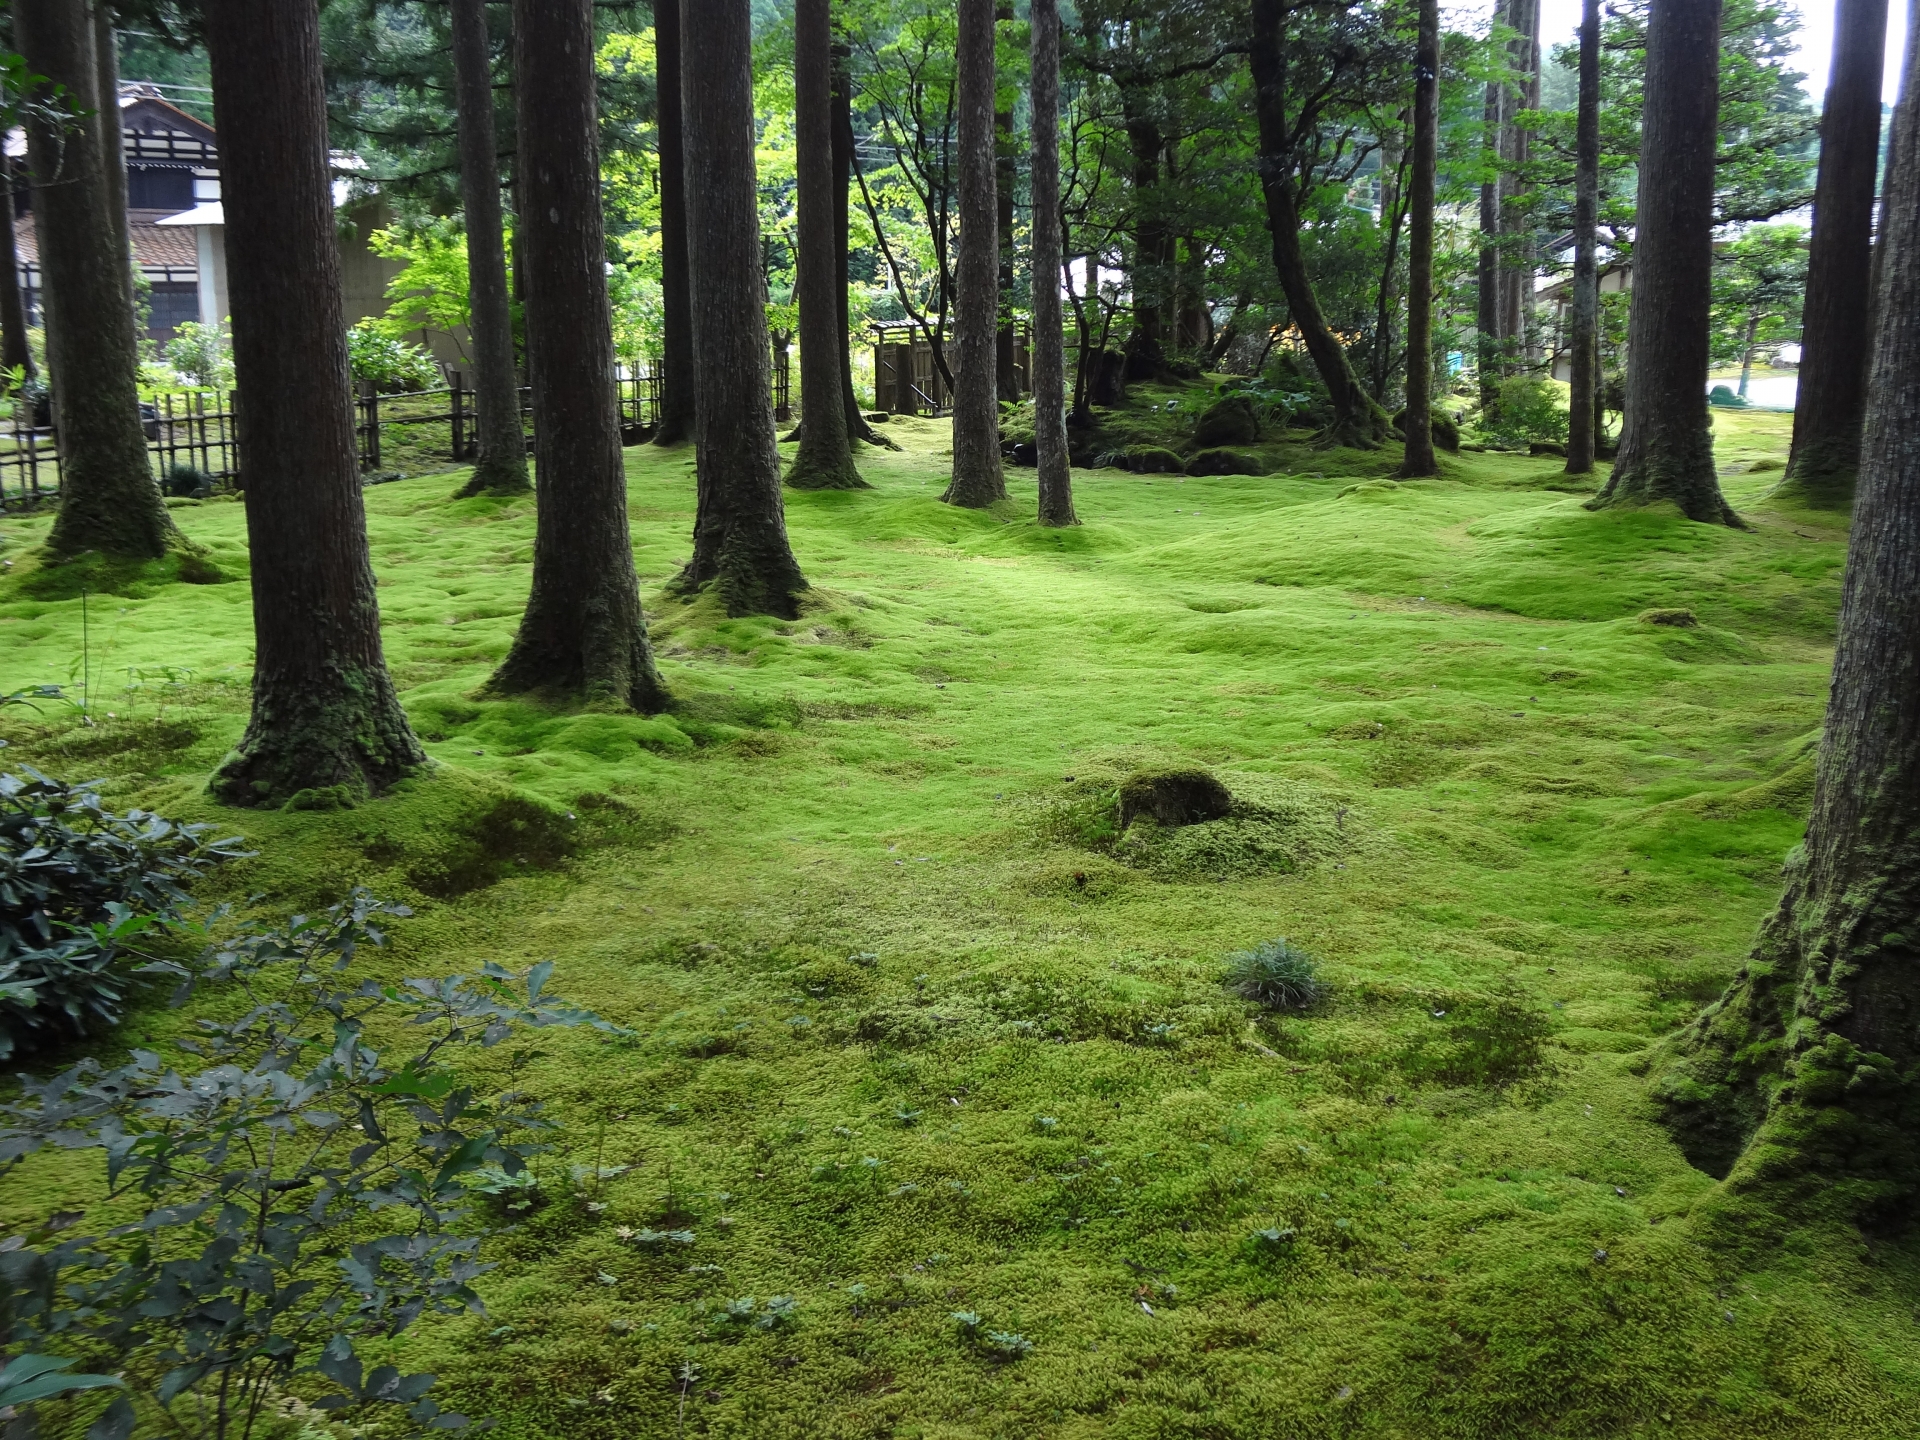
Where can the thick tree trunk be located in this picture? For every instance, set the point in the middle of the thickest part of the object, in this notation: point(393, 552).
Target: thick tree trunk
point(15, 353)
point(113, 152)
point(582, 636)
point(1584, 309)
point(740, 531)
point(1666, 446)
point(977, 478)
point(825, 457)
point(1832, 391)
point(1146, 346)
point(1804, 1079)
point(501, 467)
point(108, 500)
point(1049, 359)
point(1357, 419)
point(857, 425)
point(677, 399)
point(1419, 459)
point(1516, 239)
point(326, 725)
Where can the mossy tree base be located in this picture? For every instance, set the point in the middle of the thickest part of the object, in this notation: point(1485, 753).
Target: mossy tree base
point(495, 478)
point(1820, 477)
point(1687, 481)
point(346, 737)
point(817, 472)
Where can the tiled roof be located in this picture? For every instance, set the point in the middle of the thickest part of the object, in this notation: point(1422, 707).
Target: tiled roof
point(152, 244)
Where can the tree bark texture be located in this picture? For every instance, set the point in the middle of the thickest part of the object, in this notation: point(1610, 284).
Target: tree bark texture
point(1516, 238)
point(677, 401)
point(582, 635)
point(15, 353)
point(1805, 1077)
point(1419, 458)
point(857, 424)
point(977, 478)
point(113, 150)
point(1357, 419)
point(1490, 366)
point(1831, 397)
point(325, 717)
point(501, 466)
point(1584, 307)
point(1146, 347)
point(1048, 355)
point(1006, 178)
point(1666, 445)
point(824, 460)
point(740, 529)
point(108, 500)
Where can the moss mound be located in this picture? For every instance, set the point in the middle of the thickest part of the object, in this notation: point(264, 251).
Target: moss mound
point(1173, 798)
point(1231, 420)
point(1152, 460)
point(1226, 462)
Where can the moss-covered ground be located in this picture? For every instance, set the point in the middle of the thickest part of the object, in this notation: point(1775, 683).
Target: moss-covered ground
point(912, 1035)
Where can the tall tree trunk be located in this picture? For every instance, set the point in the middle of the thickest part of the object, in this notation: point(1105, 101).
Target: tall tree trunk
point(108, 500)
point(1393, 213)
point(501, 468)
point(1746, 355)
point(1146, 346)
point(977, 478)
point(15, 353)
point(1006, 177)
point(1832, 392)
point(825, 457)
point(1666, 445)
point(740, 531)
point(1491, 358)
point(1048, 356)
point(582, 635)
point(1357, 419)
point(325, 719)
point(1582, 411)
point(857, 425)
point(1804, 1078)
point(1419, 458)
point(677, 399)
point(1516, 241)
point(113, 153)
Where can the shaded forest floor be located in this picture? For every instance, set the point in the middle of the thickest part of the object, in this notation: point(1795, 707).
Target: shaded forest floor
point(913, 1036)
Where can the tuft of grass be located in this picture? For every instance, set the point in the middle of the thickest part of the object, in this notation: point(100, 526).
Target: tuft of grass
point(1276, 974)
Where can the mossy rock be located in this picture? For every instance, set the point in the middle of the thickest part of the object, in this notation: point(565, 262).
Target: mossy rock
point(1676, 619)
point(1230, 420)
point(1153, 460)
point(1226, 462)
point(1174, 797)
point(1446, 429)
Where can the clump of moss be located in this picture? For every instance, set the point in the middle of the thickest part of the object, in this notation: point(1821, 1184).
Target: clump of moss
point(1226, 462)
point(1174, 797)
point(1152, 460)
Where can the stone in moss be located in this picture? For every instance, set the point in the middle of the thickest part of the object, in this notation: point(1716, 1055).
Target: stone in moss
point(1153, 460)
point(1225, 462)
point(1230, 420)
point(1446, 430)
point(1678, 619)
point(1174, 797)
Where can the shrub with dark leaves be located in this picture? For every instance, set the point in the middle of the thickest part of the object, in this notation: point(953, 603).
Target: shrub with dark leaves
point(79, 886)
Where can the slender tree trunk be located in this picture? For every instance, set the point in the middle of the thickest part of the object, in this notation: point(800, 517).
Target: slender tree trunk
point(1229, 332)
point(15, 353)
point(1804, 1078)
point(582, 635)
point(108, 501)
point(113, 154)
point(740, 531)
point(1666, 445)
point(977, 479)
point(1831, 395)
point(1006, 177)
point(1146, 346)
point(1049, 359)
point(677, 400)
point(501, 468)
point(857, 426)
point(825, 457)
point(1418, 429)
point(1582, 412)
point(1491, 366)
point(1357, 419)
point(1393, 215)
point(1746, 355)
point(1516, 248)
point(326, 725)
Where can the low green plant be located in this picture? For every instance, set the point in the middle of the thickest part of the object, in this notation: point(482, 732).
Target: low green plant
point(391, 366)
point(298, 1193)
point(1527, 409)
point(202, 355)
point(83, 893)
point(1275, 974)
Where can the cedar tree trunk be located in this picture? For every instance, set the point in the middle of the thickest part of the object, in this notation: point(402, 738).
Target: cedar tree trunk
point(825, 457)
point(1666, 445)
point(1491, 366)
point(325, 718)
point(1146, 346)
point(1006, 176)
point(1357, 419)
point(501, 468)
point(677, 402)
point(977, 479)
point(1419, 458)
point(1804, 1078)
point(113, 151)
point(740, 531)
point(108, 499)
point(857, 425)
point(1049, 358)
point(1833, 362)
point(1584, 309)
point(583, 634)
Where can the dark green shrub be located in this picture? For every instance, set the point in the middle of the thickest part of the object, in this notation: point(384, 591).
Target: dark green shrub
point(1527, 408)
point(1275, 974)
point(78, 884)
